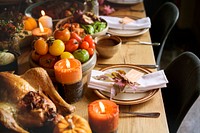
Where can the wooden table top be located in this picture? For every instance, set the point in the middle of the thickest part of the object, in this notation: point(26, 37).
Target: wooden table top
point(129, 54)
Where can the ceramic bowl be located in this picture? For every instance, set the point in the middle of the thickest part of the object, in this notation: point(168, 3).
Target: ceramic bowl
point(86, 68)
point(66, 20)
point(107, 45)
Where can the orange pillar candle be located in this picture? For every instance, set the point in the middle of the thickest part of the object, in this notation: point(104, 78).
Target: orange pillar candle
point(42, 32)
point(103, 116)
point(68, 73)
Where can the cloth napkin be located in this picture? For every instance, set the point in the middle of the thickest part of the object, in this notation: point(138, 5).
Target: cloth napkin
point(144, 83)
point(115, 23)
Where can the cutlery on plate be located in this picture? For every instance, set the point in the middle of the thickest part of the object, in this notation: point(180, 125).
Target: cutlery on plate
point(141, 65)
point(139, 114)
point(142, 42)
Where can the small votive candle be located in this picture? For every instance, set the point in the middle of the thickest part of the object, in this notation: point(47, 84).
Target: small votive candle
point(103, 116)
point(45, 20)
point(42, 32)
point(68, 74)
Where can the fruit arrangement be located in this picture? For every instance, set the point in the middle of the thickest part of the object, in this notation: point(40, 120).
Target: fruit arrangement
point(63, 44)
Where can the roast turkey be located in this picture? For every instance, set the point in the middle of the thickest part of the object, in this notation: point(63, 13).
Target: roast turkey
point(30, 100)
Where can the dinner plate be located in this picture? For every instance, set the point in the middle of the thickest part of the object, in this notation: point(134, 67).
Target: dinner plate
point(127, 33)
point(127, 98)
point(125, 1)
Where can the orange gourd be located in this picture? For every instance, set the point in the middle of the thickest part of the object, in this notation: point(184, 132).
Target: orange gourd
point(29, 23)
point(72, 124)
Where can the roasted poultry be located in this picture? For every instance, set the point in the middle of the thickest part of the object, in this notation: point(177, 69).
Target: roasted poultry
point(30, 100)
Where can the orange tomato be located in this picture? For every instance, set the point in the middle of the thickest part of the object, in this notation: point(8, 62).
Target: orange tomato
point(47, 61)
point(62, 34)
point(84, 45)
point(41, 46)
point(90, 40)
point(29, 23)
point(35, 56)
point(90, 51)
point(71, 45)
point(76, 36)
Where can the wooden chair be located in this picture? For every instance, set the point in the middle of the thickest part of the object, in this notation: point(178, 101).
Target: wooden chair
point(163, 21)
point(183, 88)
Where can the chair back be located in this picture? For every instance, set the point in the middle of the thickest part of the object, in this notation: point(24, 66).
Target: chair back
point(183, 89)
point(191, 121)
point(163, 21)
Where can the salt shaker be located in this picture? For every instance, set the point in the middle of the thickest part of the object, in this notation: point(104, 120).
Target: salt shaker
point(91, 6)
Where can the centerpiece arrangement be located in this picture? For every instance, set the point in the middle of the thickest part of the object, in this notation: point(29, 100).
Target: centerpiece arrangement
point(72, 38)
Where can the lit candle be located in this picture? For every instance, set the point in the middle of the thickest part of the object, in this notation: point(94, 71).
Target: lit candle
point(46, 20)
point(68, 73)
point(103, 116)
point(41, 32)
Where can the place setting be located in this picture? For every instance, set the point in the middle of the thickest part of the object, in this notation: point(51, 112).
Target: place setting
point(126, 26)
point(126, 84)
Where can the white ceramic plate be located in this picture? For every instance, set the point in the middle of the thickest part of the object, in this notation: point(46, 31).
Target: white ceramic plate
point(125, 1)
point(127, 33)
point(127, 98)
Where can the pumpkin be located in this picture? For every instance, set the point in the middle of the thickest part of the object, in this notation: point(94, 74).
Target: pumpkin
point(72, 124)
point(29, 23)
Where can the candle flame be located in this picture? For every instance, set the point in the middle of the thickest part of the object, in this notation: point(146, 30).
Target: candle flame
point(41, 27)
point(67, 63)
point(42, 12)
point(102, 107)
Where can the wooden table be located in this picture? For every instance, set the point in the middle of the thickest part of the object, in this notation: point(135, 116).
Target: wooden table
point(129, 54)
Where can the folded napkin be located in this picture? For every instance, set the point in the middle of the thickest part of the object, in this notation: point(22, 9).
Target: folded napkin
point(99, 80)
point(116, 23)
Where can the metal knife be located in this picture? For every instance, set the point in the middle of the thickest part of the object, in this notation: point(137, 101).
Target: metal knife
point(139, 114)
point(144, 43)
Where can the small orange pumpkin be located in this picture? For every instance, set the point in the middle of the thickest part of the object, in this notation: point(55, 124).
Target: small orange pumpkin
point(72, 124)
point(29, 23)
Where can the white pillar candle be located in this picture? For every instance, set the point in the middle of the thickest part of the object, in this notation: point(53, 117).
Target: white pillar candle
point(45, 20)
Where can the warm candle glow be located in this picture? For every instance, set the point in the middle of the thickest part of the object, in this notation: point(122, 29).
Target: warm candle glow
point(41, 27)
point(102, 107)
point(42, 12)
point(67, 63)
point(103, 116)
